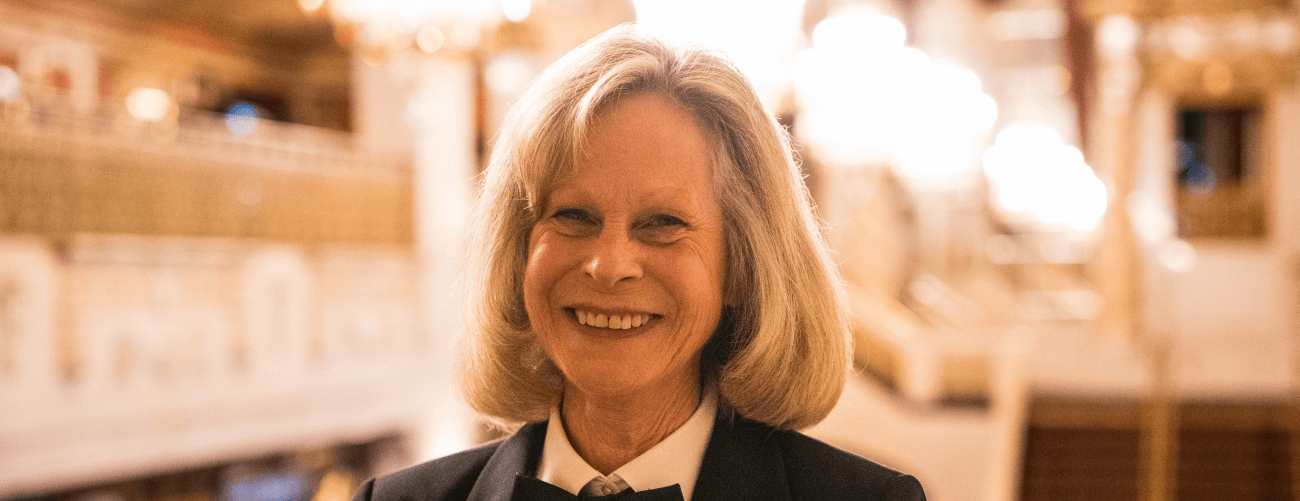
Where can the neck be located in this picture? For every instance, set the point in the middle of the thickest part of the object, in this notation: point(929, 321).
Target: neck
point(610, 431)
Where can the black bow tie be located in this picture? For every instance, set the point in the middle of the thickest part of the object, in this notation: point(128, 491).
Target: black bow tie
point(531, 489)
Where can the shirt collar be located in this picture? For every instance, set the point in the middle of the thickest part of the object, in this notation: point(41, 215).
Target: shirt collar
point(675, 460)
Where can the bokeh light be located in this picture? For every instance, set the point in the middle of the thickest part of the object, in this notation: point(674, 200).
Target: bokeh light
point(10, 84)
point(859, 30)
point(1033, 24)
point(1035, 177)
point(1152, 219)
point(1118, 35)
point(1189, 40)
point(148, 104)
point(510, 72)
point(429, 39)
point(310, 5)
point(412, 13)
point(865, 98)
point(1177, 255)
point(762, 41)
point(241, 119)
point(516, 11)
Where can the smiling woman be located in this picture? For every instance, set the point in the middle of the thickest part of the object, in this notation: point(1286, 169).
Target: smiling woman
point(634, 231)
point(650, 291)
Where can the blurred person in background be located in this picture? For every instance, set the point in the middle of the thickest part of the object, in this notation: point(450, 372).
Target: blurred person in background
point(649, 290)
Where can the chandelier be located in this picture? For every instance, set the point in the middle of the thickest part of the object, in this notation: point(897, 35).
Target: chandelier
point(380, 28)
point(867, 99)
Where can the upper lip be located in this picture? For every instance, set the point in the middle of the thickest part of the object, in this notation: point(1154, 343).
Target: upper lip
point(611, 310)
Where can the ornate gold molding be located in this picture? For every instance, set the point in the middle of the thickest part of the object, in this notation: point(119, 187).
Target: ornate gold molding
point(1149, 9)
point(1220, 80)
point(54, 186)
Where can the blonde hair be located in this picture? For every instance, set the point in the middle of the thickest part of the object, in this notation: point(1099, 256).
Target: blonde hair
point(781, 351)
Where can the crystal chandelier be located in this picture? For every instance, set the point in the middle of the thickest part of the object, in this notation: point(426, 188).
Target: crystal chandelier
point(379, 28)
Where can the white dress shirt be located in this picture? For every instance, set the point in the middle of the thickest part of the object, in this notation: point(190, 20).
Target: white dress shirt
point(675, 460)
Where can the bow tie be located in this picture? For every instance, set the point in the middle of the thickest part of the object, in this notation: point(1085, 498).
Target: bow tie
point(531, 489)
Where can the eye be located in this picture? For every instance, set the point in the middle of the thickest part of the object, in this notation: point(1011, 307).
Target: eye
point(575, 222)
point(572, 215)
point(664, 221)
point(661, 229)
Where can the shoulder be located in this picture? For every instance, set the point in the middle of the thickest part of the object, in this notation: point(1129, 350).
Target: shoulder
point(447, 478)
point(818, 470)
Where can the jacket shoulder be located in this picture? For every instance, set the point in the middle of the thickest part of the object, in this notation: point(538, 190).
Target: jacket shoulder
point(818, 470)
point(447, 478)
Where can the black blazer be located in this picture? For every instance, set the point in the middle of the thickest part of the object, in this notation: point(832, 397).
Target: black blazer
point(745, 460)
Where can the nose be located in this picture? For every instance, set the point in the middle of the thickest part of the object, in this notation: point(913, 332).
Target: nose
point(615, 258)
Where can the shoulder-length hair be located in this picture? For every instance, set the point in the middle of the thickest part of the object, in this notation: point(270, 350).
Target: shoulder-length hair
point(780, 353)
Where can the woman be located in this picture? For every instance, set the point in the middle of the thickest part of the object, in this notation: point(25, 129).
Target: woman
point(648, 288)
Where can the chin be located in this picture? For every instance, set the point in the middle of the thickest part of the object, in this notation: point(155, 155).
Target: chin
point(609, 378)
point(615, 378)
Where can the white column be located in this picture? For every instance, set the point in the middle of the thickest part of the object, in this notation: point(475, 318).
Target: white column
point(379, 99)
point(441, 113)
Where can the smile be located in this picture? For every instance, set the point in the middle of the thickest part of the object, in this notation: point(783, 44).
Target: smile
point(612, 322)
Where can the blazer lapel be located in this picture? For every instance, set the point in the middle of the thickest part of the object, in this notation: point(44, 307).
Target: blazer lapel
point(740, 463)
point(518, 455)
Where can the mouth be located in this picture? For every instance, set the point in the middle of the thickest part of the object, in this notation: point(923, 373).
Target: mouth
point(611, 321)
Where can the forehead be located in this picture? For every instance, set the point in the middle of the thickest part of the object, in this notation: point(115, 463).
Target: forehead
point(645, 141)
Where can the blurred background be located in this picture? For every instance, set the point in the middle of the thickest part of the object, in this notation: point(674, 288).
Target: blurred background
point(230, 233)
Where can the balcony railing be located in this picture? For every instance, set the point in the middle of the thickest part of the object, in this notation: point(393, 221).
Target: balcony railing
point(63, 173)
point(173, 296)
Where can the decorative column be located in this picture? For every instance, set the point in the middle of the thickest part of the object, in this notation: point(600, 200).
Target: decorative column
point(421, 106)
point(1113, 152)
point(1119, 272)
point(442, 114)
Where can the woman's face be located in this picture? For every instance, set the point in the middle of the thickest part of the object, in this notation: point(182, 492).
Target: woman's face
point(625, 268)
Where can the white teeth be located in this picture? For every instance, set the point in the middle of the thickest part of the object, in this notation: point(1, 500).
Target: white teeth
point(611, 322)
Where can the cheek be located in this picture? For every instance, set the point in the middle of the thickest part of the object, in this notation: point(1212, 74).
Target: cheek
point(548, 259)
point(536, 273)
point(695, 276)
point(700, 266)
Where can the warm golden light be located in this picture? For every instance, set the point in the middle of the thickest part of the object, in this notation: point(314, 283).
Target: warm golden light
point(859, 30)
point(1033, 24)
point(762, 40)
point(509, 73)
point(384, 28)
point(148, 104)
point(516, 11)
point(1117, 35)
point(429, 39)
point(1177, 255)
point(865, 98)
point(310, 5)
point(9, 83)
point(1034, 174)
